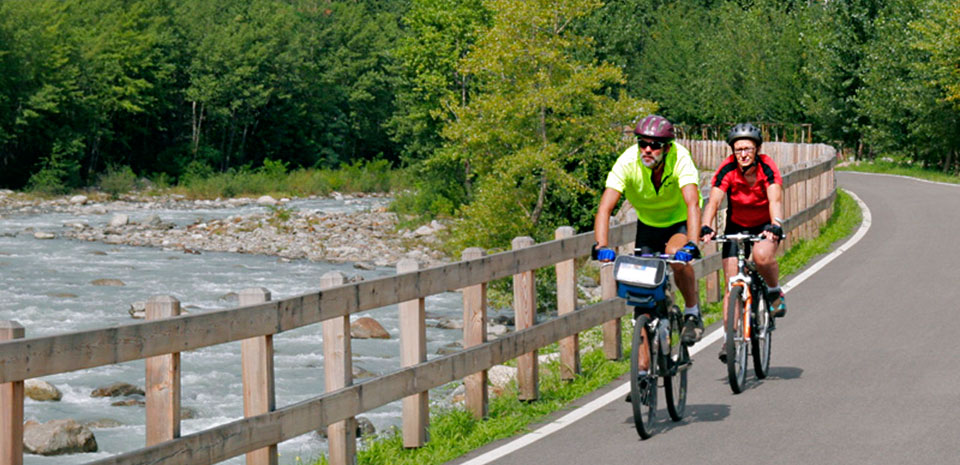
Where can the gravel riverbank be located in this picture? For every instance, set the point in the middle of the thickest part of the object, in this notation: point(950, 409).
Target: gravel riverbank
point(368, 238)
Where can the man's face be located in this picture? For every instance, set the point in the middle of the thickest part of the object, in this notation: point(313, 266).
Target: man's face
point(651, 151)
point(746, 152)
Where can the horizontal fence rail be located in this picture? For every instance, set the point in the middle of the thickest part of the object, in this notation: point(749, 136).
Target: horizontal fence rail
point(809, 192)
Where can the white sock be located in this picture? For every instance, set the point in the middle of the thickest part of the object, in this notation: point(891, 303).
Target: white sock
point(695, 310)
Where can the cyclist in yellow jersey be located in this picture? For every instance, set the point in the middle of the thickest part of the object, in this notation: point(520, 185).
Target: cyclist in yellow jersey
point(659, 179)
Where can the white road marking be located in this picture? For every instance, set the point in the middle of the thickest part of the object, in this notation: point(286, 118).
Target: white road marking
point(617, 393)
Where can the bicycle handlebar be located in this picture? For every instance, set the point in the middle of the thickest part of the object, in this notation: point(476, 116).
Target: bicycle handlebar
point(738, 237)
point(663, 256)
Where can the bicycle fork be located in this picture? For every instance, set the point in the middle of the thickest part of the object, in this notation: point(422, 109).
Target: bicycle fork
point(747, 305)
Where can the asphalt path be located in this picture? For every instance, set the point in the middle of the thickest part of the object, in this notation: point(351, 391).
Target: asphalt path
point(865, 367)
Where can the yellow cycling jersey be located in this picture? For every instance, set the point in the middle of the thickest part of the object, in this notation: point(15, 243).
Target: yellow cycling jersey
point(656, 207)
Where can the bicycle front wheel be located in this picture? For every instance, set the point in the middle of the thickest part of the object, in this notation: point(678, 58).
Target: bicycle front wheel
point(736, 341)
point(760, 340)
point(674, 364)
point(643, 381)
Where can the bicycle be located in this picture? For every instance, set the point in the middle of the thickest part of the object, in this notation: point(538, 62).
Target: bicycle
point(741, 327)
point(656, 352)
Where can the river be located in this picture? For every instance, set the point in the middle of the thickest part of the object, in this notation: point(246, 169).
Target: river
point(45, 285)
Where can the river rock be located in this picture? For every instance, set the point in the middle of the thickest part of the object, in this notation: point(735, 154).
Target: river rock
point(153, 221)
point(103, 423)
point(496, 330)
point(44, 235)
point(365, 427)
point(501, 375)
point(423, 231)
point(62, 295)
point(138, 310)
point(38, 389)
point(116, 390)
point(364, 266)
point(449, 323)
point(450, 348)
point(119, 220)
point(78, 200)
point(131, 402)
point(266, 200)
point(368, 328)
point(107, 282)
point(57, 437)
point(360, 372)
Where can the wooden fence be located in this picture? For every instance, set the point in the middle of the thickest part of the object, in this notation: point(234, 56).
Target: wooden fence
point(808, 199)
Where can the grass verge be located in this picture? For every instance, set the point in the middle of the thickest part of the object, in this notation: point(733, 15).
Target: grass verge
point(454, 432)
point(902, 169)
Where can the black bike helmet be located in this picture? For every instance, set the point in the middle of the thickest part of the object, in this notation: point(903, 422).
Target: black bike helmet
point(744, 131)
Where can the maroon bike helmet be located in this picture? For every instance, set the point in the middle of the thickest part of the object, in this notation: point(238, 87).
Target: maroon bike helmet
point(654, 127)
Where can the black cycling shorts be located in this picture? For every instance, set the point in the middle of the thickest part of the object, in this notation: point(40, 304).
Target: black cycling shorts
point(730, 248)
point(655, 239)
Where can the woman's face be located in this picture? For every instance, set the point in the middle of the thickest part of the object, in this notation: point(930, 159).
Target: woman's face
point(745, 151)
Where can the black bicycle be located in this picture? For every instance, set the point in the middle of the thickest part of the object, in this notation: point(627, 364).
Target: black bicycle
point(655, 352)
point(747, 290)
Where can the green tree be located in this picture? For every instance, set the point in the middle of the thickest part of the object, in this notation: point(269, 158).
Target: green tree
point(541, 126)
point(439, 35)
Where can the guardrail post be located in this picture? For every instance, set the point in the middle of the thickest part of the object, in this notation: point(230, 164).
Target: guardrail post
point(612, 346)
point(567, 303)
point(525, 308)
point(475, 333)
point(11, 406)
point(338, 373)
point(163, 380)
point(413, 350)
point(257, 374)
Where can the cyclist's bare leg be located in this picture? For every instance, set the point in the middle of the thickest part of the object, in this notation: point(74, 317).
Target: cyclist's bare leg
point(683, 274)
point(765, 256)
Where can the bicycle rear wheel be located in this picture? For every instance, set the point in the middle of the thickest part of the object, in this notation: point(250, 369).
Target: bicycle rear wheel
point(643, 383)
point(674, 364)
point(736, 341)
point(761, 340)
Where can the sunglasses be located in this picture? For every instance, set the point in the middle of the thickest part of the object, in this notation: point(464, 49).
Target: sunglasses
point(656, 145)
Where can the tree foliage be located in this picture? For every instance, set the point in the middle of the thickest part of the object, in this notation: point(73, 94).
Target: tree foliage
point(540, 126)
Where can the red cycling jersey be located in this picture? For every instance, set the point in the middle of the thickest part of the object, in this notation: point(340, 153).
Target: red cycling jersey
point(747, 205)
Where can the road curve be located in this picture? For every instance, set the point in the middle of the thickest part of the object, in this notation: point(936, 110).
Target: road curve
point(865, 368)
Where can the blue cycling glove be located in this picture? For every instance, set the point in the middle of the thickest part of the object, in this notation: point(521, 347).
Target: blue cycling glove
point(688, 252)
point(606, 255)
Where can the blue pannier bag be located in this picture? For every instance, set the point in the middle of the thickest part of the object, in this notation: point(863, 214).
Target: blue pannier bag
point(641, 281)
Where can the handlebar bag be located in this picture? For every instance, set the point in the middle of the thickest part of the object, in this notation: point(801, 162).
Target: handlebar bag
point(640, 280)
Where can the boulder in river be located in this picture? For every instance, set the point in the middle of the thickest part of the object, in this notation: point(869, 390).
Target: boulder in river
point(368, 328)
point(57, 437)
point(119, 220)
point(116, 390)
point(40, 390)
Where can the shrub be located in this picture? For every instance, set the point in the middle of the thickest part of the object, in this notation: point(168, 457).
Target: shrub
point(118, 180)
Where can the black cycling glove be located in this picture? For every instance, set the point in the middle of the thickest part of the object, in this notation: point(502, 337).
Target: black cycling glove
point(776, 230)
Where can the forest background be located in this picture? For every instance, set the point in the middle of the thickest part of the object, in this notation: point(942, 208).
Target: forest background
point(504, 115)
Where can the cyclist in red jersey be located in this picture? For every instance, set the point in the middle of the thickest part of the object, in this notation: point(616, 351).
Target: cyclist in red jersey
point(751, 182)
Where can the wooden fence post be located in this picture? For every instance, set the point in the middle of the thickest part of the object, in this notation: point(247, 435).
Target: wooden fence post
point(413, 350)
point(163, 380)
point(11, 406)
point(257, 373)
point(338, 373)
point(612, 346)
point(475, 333)
point(525, 315)
point(567, 303)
